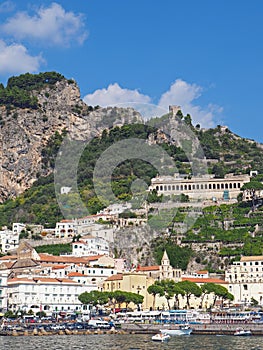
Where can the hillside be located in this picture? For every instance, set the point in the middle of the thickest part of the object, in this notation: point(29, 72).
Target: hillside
point(34, 111)
point(37, 112)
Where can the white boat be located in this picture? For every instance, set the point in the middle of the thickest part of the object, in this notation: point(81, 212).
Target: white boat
point(161, 337)
point(182, 330)
point(242, 332)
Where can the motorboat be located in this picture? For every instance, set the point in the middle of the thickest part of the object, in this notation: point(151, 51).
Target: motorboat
point(161, 337)
point(242, 332)
point(182, 330)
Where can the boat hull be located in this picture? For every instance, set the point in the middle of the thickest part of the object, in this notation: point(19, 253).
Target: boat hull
point(176, 331)
point(161, 337)
point(243, 334)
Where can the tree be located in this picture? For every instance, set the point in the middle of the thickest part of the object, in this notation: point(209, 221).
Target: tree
point(155, 289)
point(136, 299)
point(190, 288)
point(119, 296)
point(177, 292)
point(207, 288)
point(222, 292)
point(94, 298)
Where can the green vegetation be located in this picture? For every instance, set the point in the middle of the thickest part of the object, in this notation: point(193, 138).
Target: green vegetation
point(178, 256)
point(172, 290)
point(237, 155)
point(229, 224)
point(50, 152)
point(15, 97)
point(18, 92)
point(55, 249)
point(29, 82)
point(96, 298)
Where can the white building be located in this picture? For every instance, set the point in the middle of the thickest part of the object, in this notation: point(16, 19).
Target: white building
point(44, 294)
point(8, 240)
point(200, 188)
point(245, 278)
point(17, 228)
point(106, 232)
point(90, 245)
point(65, 229)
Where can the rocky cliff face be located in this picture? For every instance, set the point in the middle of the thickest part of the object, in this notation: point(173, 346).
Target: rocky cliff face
point(24, 132)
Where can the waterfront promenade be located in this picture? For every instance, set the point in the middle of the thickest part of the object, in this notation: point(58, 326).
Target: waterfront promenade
point(201, 329)
point(140, 328)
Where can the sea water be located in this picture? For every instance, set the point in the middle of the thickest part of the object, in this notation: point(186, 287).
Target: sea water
point(129, 342)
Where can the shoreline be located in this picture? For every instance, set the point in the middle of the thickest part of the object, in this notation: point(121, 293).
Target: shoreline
point(140, 328)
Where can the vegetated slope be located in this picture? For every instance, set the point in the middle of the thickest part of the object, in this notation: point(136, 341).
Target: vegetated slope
point(234, 154)
point(38, 111)
point(220, 235)
point(32, 109)
point(38, 204)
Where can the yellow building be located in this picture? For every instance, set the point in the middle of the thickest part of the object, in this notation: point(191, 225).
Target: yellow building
point(131, 282)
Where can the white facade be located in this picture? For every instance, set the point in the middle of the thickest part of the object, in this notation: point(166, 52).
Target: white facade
point(44, 294)
point(97, 230)
point(3, 291)
point(90, 245)
point(84, 226)
point(8, 240)
point(200, 188)
point(245, 278)
point(115, 209)
point(65, 229)
point(91, 276)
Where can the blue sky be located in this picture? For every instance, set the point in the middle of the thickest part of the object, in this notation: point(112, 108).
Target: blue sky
point(206, 56)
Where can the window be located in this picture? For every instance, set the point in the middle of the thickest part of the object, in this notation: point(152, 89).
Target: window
point(245, 286)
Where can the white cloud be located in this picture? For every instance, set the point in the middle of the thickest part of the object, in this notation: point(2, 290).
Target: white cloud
point(15, 59)
point(183, 94)
point(180, 93)
point(51, 25)
point(114, 95)
point(7, 6)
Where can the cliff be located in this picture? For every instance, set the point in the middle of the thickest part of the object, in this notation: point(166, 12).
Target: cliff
point(24, 132)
